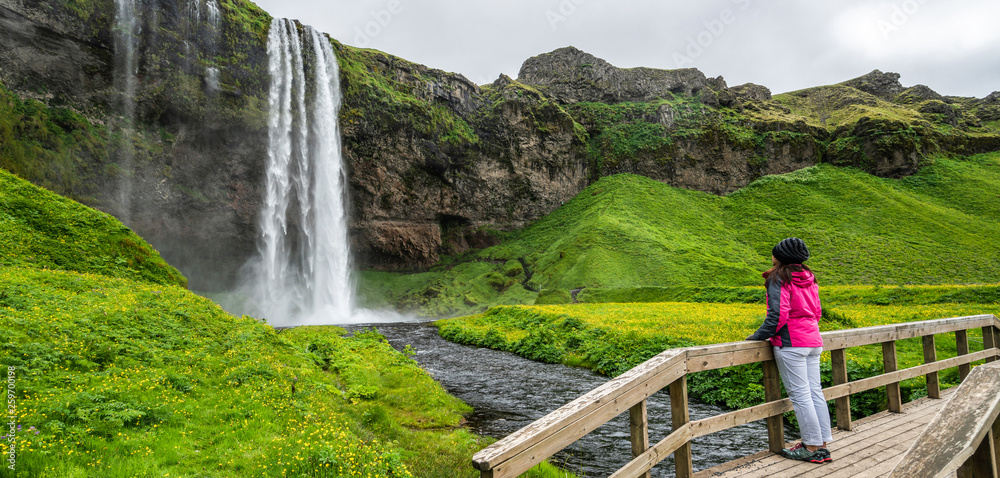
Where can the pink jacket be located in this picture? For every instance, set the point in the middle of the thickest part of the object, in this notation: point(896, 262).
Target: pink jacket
point(793, 313)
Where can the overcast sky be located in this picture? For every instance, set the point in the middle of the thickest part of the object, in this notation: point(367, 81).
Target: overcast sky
point(953, 46)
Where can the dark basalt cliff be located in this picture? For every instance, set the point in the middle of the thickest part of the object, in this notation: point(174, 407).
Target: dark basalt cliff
point(436, 162)
point(431, 169)
point(569, 75)
point(197, 151)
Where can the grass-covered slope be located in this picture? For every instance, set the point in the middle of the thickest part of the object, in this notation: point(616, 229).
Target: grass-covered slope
point(867, 230)
point(44, 230)
point(116, 370)
point(120, 378)
point(628, 232)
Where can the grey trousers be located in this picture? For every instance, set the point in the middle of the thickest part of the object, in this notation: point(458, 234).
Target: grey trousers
point(799, 368)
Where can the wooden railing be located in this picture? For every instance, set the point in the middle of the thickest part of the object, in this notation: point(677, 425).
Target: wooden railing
point(539, 440)
point(964, 436)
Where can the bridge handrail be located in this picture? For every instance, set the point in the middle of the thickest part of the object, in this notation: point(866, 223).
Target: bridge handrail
point(965, 428)
point(539, 440)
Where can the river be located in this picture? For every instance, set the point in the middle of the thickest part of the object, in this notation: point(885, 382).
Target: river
point(509, 392)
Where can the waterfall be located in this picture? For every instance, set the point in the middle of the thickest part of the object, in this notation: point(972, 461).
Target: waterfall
point(213, 15)
point(203, 25)
point(304, 269)
point(126, 44)
point(212, 80)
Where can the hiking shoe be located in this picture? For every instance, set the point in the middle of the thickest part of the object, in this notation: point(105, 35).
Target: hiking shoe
point(803, 454)
point(796, 447)
point(826, 456)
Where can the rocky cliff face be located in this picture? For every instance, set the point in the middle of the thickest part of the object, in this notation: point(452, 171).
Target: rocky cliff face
point(197, 143)
point(49, 53)
point(569, 75)
point(436, 162)
point(432, 175)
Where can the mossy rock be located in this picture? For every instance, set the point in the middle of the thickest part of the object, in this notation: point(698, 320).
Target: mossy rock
point(553, 297)
point(513, 269)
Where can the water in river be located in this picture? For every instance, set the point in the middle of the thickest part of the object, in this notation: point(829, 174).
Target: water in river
point(509, 392)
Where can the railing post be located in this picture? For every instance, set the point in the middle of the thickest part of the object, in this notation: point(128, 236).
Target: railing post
point(930, 355)
point(679, 416)
point(772, 392)
point(982, 463)
point(639, 430)
point(843, 404)
point(989, 340)
point(996, 447)
point(962, 347)
point(890, 365)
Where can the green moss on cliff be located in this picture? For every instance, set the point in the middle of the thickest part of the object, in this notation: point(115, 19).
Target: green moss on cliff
point(376, 95)
point(246, 17)
point(91, 11)
point(838, 105)
point(243, 59)
point(56, 148)
point(621, 131)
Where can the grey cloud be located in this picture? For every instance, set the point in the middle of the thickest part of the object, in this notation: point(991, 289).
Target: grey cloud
point(783, 44)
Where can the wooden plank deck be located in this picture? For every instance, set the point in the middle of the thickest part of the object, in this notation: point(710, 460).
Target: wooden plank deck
point(871, 449)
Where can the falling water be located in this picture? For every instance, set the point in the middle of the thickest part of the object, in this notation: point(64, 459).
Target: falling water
point(126, 39)
point(194, 11)
point(304, 270)
point(212, 80)
point(213, 18)
point(212, 12)
point(203, 26)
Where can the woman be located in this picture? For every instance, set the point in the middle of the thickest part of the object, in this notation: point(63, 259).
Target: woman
point(792, 326)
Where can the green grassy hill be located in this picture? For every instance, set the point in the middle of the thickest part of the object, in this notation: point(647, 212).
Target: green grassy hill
point(119, 371)
point(627, 231)
point(44, 230)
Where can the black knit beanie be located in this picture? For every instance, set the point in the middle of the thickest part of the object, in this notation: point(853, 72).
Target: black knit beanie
point(791, 251)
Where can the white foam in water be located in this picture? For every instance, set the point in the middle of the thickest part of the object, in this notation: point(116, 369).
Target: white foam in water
point(303, 273)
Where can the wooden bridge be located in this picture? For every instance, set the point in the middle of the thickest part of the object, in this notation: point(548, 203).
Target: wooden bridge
point(955, 433)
